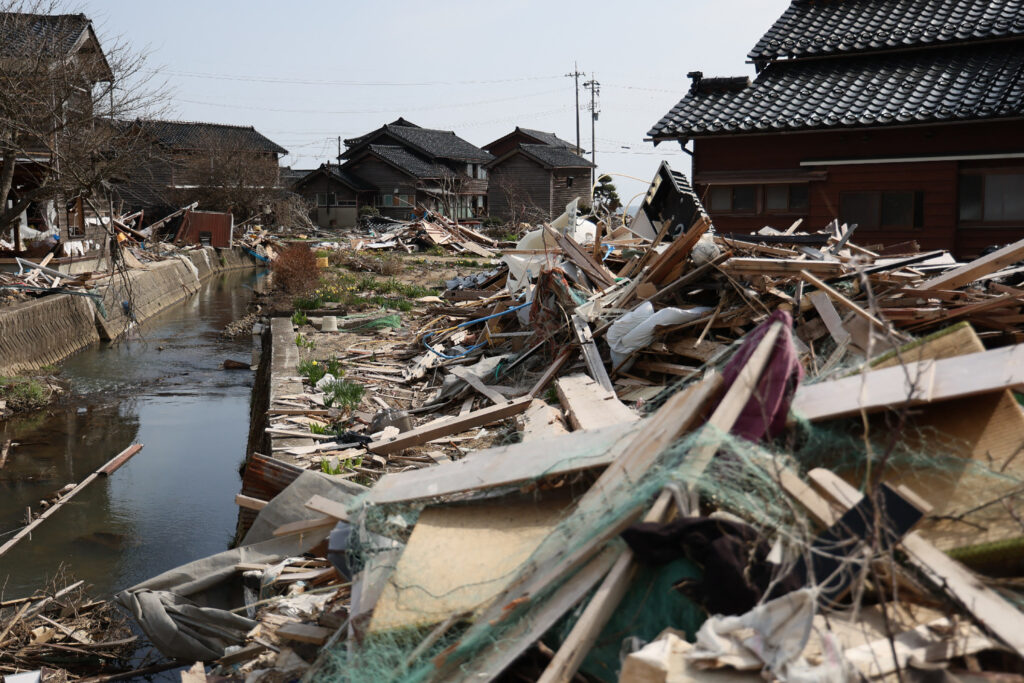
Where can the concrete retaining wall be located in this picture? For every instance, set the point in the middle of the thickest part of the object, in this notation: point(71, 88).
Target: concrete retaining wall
point(48, 330)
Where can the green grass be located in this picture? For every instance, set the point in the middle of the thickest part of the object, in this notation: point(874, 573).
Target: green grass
point(23, 393)
point(299, 318)
point(343, 394)
point(312, 370)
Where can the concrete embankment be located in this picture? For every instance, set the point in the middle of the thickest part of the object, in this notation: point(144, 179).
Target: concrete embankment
point(48, 330)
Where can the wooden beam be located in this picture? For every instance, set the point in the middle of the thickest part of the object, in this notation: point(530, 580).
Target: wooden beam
point(591, 355)
point(304, 633)
point(326, 506)
point(304, 525)
point(589, 405)
point(969, 272)
point(913, 384)
point(455, 425)
point(250, 503)
point(472, 380)
point(541, 422)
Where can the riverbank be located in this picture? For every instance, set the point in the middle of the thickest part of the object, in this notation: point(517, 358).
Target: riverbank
point(47, 330)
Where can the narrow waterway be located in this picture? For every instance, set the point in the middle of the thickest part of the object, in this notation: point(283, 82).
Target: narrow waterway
point(171, 503)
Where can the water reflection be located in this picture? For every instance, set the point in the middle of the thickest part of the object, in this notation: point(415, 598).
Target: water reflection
point(173, 502)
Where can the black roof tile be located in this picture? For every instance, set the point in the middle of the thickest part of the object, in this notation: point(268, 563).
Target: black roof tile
point(193, 135)
point(547, 138)
point(437, 144)
point(555, 157)
point(406, 160)
point(25, 33)
point(822, 27)
point(955, 83)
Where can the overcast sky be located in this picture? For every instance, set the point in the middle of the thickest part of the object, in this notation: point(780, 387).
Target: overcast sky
point(305, 72)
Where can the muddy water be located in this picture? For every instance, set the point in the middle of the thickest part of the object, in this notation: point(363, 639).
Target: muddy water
point(171, 503)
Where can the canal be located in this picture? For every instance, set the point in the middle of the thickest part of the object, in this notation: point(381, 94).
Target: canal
point(171, 503)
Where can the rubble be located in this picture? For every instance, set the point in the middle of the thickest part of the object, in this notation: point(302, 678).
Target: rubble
point(658, 455)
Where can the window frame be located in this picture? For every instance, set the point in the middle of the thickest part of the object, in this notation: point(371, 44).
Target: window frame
point(916, 211)
point(983, 173)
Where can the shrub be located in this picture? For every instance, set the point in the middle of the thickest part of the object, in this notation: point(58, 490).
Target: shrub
point(295, 269)
point(368, 211)
point(391, 264)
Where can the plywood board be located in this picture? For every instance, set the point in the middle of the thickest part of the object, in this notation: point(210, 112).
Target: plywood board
point(590, 406)
point(489, 541)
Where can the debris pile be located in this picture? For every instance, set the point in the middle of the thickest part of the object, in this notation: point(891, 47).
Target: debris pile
point(637, 453)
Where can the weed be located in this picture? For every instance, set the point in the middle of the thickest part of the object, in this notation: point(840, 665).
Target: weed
point(299, 318)
point(343, 394)
point(334, 367)
point(467, 263)
point(336, 466)
point(23, 394)
point(303, 343)
point(312, 370)
point(295, 269)
point(307, 303)
point(49, 369)
point(551, 397)
point(436, 250)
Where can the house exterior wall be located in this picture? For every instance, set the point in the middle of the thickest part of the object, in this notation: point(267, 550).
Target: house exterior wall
point(388, 179)
point(936, 184)
point(519, 188)
point(566, 185)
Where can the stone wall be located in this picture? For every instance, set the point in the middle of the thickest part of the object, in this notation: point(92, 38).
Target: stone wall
point(47, 330)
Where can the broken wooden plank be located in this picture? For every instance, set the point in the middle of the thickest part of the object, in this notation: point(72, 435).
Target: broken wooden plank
point(551, 371)
point(304, 633)
point(590, 406)
point(541, 421)
point(591, 355)
point(304, 525)
point(830, 316)
point(326, 506)
point(467, 376)
point(913, 384)
point(969, 272)
point(249, 503)
point(455, 425)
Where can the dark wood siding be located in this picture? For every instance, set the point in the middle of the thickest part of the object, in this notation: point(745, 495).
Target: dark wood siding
point(519, 189)
point(387, 178)
point(562, 193)
point(937, 180)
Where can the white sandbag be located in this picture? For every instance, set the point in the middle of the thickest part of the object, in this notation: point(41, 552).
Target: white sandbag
point(635, 330)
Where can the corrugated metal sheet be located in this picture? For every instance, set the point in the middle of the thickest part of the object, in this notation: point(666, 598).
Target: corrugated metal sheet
point(264, 478)
point(207, 228)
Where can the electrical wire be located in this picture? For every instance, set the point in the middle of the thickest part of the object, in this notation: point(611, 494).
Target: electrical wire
point(307, 81)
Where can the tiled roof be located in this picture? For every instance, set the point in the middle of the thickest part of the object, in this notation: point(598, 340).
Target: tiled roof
point(192, 135)
point(821, 27)
point(25, 33)
point(405, 160)
point(437, 144)
point(948, 84)
point(557, 157)
point(341, 174)
point(547, 138)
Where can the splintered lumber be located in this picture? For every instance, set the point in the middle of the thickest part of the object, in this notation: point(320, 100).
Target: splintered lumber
point(472, 380)
point(579, 256)
point(461, 423)
point(591, 356)
point(697, 349)
point(969, 272)
point(107, 469)
point(857, 310)
point(913, 384)
point(541, 421)
point(830, 316)
point(588, 405)
point(304, 633)
point(631, 459)
point(551, 371)
point(671, 263)
point(776, 266)
point(249, 503)
point(328, 507)
point(503, 465)
point(989, 609)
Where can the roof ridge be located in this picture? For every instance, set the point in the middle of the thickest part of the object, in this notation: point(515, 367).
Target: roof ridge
point(198, 123)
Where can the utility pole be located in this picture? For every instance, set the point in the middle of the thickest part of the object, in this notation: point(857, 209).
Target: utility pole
point(595, 90)
point(339, 150)
point(576, 75)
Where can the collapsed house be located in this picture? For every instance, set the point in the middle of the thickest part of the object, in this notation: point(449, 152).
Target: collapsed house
point(779, 455)
point(898, 120)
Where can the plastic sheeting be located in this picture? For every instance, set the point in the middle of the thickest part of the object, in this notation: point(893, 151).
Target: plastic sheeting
point(186, 611)
point(635, 330)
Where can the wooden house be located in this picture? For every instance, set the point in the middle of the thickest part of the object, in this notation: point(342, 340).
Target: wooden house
point(902, 121)
point(336, 195)
point(189, 161)
point(55, 59)
point(534, 175)
point(405, 166)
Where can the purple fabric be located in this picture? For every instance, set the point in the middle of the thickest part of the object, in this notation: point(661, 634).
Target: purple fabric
point(768, 408)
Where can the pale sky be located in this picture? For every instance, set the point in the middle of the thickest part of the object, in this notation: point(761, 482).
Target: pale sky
point(305, 72)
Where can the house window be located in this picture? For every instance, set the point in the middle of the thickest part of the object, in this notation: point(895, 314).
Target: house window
point(992, 197)
point(325, 199)
point(734, 198)
point(568, 181)
point(481, 173)
point(881, 210)
point(786, 198)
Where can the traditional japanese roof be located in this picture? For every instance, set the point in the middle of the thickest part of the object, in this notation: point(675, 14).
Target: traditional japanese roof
point(822, 27)
point(404, 160)
point(951, 84)
point(546, 138)
point(194, 135)
point(333, 171)
point(435, 144)
point(552, 157)
point(22, 33)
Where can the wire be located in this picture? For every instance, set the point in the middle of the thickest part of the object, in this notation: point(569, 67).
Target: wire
point(306, 81)
point(473, 348)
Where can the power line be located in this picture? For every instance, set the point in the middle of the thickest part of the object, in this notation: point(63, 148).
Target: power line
point(390, 110)
point(305, 81)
